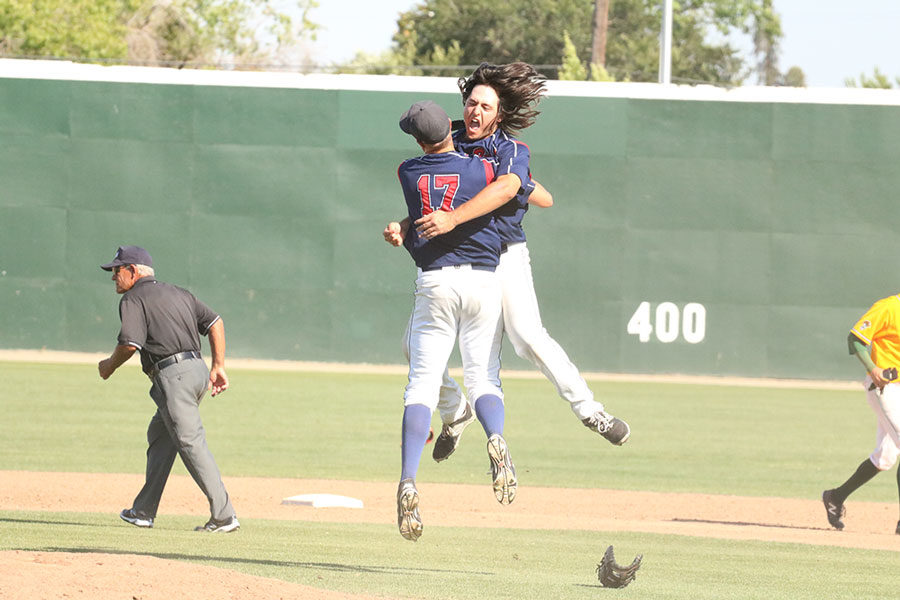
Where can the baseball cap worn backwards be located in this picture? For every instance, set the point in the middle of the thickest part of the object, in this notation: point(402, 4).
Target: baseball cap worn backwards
point(129, 255)
point(426, 121)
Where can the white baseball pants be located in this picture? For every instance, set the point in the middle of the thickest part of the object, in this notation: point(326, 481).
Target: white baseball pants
point(886, 405)
point(523, 326)
point(450, 303)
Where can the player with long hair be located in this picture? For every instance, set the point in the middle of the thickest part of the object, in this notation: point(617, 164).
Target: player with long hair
point(499, 101)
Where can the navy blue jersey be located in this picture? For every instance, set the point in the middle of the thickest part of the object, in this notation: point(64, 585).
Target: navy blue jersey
point(443, 181)
point(508, 155)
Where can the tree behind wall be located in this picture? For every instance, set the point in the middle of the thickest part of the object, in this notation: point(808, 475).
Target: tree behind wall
point(157, 32)
point(877, 80)
point(64, 28)
point(532, 31)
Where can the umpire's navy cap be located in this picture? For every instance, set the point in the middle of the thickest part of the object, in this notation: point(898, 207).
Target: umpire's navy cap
point(129, 255)
point(426, 121)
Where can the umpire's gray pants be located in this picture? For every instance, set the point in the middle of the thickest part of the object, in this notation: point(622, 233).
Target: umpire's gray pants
point(176, 428)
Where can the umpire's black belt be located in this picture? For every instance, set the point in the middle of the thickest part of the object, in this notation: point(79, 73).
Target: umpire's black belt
point(171, 360)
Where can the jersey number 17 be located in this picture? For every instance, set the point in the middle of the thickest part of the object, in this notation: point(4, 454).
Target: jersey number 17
point(448, 183)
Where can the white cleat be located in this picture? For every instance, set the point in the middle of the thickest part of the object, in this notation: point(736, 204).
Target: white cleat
point(408, 520)
point(502, 470)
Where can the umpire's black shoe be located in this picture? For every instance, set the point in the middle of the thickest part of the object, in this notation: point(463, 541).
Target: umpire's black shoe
point(214, 526)
point(138, 519)
point(833, 510)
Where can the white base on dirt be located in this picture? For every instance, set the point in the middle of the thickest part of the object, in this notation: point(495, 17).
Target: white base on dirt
point(324, 501)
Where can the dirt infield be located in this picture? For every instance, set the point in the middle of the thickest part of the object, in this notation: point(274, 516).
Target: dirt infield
point(54, 575)
point(97, 576)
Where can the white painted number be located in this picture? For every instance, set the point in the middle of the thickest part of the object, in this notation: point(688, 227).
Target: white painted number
point(669, 322)
point(694, 329)
point(639, 324)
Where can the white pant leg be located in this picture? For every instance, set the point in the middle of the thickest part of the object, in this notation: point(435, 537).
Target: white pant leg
point(522, 322)
point(479, 325)
point(886, 406)
point(431, 336)
point(451, 400)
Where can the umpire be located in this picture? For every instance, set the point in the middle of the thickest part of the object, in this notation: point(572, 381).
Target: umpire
point(164, 322)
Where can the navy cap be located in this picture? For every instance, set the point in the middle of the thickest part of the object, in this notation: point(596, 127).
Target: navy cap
point(129, 255)
point(426, 121)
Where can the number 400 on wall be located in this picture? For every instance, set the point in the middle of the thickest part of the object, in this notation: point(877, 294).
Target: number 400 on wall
point(667, 322)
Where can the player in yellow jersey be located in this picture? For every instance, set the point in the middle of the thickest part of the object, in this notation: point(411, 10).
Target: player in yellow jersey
point(875, 340)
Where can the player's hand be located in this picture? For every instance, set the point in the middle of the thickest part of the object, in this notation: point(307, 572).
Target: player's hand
point(878, 379)
point(393, 234)
point(218, 381)
point(434, 224)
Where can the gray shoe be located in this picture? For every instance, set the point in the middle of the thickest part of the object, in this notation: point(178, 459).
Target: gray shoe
point(446, 443)
point(615, 430)
point(408, 519)
point(136, 518)
point(833, 510)
point(213, 526)
point(502, 470)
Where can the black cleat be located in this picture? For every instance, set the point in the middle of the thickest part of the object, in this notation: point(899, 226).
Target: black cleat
point(213, 526)
point(615, 430)
point(138, 519)
point(834, 510)
point(446, 443)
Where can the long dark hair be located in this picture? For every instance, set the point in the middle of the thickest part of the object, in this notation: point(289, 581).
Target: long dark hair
point(519, 87)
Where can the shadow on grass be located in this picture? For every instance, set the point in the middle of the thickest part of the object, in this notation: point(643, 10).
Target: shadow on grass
point(339, 567)
point(46, 522)
point(750, 524)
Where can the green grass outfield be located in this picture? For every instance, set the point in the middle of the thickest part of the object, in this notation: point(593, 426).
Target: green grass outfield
point(749, 441)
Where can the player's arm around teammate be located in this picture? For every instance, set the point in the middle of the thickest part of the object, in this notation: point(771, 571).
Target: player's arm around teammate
point(540, 196)
point(491, 198)
point(435, 224)
point(395, 231)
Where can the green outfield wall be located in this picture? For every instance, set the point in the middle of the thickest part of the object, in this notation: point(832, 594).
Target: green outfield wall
point(694, 231)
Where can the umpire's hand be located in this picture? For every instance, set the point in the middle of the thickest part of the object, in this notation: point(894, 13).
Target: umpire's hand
point(218, 381)
point(106, 369)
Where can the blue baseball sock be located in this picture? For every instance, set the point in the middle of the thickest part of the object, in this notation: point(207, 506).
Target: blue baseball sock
point(489, 410)
point(416, 424)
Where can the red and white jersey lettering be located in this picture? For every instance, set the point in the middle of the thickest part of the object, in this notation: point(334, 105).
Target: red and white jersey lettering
point(444, 181)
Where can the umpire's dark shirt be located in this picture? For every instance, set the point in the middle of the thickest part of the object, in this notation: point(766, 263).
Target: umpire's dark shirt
point(160, 320)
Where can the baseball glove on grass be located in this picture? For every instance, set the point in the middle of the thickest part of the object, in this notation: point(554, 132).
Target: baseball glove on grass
point(612, 575)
